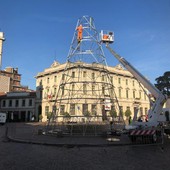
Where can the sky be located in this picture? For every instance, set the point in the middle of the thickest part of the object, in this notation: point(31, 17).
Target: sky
point(37, 32)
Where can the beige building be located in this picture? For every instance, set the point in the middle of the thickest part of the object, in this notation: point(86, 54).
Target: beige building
point(19, 106)
point(80, 87)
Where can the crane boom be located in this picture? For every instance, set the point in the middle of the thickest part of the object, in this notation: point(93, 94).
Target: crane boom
point(146, 83)
point(156, 109)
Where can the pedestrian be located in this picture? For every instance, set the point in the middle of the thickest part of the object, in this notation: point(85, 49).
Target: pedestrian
point(146, 118)
point(33, 118)
point(80, 33)
point(130, 120)
point(167, 116)
point(12, 117)
point(140, 119)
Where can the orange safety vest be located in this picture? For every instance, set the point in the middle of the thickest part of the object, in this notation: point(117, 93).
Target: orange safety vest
point(105, 36)
point(80, 32)
point(80, 29)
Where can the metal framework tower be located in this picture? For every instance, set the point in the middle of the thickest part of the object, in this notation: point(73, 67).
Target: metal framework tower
point(89, 49)
point(86, 86)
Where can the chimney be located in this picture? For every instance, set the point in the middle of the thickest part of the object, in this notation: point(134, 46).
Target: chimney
point(1, 42)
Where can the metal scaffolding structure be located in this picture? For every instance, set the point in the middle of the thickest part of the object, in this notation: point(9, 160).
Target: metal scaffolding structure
point(89, 49)
point(86, 87)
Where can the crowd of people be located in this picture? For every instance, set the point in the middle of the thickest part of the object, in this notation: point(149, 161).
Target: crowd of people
point(143, 118)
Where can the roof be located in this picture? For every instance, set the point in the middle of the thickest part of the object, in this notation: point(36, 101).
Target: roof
point(118, 69)
point(18, 94)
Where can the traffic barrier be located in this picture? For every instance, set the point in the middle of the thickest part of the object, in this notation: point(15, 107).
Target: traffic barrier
point(146, 136)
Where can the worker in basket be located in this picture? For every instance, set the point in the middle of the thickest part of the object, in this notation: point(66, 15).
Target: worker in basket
point(80, 33)
point(105, 37)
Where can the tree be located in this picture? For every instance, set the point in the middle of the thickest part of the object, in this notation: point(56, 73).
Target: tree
point(163, 83)
point(113, 113)
point(40, 117)
point(66, 116)
point(87, 114)
point(94, 113)
point(128, 113)
point(49, 114)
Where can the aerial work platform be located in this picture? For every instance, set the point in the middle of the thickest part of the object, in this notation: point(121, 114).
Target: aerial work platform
point(107, 36)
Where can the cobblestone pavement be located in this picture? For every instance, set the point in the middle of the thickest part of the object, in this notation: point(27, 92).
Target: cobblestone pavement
point(20, 156)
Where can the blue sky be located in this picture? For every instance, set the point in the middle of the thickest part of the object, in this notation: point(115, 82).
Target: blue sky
point(38, 32)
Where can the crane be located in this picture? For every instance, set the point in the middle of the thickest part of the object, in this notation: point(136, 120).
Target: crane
point(156, 110)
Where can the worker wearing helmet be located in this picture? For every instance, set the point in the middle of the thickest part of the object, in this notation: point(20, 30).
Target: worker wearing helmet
point(80, 33)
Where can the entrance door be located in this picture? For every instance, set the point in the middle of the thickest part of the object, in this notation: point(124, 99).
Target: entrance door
point(39, 111)
point(23, 116)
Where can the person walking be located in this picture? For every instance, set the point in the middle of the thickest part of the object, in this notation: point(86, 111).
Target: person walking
point(130, 120)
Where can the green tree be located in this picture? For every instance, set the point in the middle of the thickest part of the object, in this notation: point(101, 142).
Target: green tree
point(113, 113)
point(49, 114)
point(87, 114)
point(40, 117)
point(128, 113)
point(94, 113)
point(66, 116)
point(163, 83)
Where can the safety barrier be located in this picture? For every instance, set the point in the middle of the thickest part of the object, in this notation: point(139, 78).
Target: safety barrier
point(82, 134)
point(147, 136)
point(84, 126)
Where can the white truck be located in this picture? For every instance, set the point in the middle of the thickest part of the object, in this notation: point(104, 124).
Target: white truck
point(156, 115)
point(2, 118)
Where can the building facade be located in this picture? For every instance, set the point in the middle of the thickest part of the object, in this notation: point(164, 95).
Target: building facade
point(91, 96)
point(11, 80)
point(19, 106)
point(4, 83)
